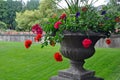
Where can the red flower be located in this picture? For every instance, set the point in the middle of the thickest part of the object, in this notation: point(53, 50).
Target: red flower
point(57, 24)
point(52, 43)
point(117, 19)
point(38, 37)
point(37, 29)
point(58, 57)
point(86, 42)
point(84, 9)
point(27, 43)
point(108, 41)
point(63, 16)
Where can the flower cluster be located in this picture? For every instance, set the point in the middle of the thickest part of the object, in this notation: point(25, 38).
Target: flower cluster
point(102, 22)
point(36, 29)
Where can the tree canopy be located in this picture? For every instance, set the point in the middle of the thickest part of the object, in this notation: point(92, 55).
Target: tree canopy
point(28, 18)
point(32, 5)
point(8, 11)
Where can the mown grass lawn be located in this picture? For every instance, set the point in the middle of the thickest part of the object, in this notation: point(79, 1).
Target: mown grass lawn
point(18, 63)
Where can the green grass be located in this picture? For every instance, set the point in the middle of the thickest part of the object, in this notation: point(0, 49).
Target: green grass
point(18, 63)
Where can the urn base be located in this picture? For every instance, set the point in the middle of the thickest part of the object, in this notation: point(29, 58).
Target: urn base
point(65, 75)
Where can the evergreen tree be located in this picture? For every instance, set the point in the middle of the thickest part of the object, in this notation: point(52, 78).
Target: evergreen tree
point(8, 11)
point(32, 4)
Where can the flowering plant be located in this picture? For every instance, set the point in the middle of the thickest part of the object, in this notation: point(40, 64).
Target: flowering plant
point(80, 16)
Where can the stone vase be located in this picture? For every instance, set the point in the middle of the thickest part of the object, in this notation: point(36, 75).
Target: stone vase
point(73, 49)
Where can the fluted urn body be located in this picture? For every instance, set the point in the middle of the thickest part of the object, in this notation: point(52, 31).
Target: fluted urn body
point(73, 49)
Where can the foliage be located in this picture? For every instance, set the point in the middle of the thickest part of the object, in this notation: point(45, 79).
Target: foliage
point(8, 11)
point(47, 8)
point(32, 5)
point(26, 19)
point(3, 26)
point(114, 7)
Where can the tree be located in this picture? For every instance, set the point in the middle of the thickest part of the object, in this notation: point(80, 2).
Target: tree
point(32, 5)
point(8, 12)
point(47, 8)
point(3, 26)
point(28, 18)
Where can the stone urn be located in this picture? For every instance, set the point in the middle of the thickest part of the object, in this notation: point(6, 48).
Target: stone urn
point(72, 48)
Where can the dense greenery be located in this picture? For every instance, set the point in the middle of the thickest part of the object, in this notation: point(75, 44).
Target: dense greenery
point(28, 18)
point(114, 7)
point(3, 26)
point(18, 63)
point(8, 11)
point(9, 8)
point(32, 5)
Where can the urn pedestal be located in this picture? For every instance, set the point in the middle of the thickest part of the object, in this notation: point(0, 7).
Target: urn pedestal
point(73, 49)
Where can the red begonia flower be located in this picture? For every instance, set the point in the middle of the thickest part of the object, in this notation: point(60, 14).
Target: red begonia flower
point(57, 24)
point(86, 42)
point(84, 9)
point(27, 43)
point(117, 19)
point(58, 57)
point(108, 41)
point(37, 29)
point(38, 37)
point(63, 16)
